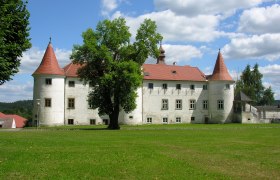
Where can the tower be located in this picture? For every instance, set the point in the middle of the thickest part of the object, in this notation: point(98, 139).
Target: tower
point(161, 58)
point(48, 91)
point(221, 93)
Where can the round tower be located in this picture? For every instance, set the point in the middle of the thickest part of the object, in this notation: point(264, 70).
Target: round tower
point(221, 93)
point(48, 91)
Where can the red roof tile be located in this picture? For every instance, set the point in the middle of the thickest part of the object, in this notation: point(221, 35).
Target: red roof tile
point(71, 70)
point(49, 64)
point(172, 72)
point(20, 121)
point(220, 72)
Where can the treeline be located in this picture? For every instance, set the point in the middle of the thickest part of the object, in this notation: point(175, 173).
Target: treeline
point(22, 108)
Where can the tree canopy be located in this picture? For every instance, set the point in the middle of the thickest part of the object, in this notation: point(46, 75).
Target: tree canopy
point(251, 84)
point(111, 64)
point(14, 33)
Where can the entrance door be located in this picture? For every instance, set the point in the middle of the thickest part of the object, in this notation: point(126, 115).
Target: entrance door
point(206, 119)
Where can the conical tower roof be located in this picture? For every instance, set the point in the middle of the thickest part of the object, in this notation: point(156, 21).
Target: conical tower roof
point(220, 72)
point(49, 64)
point(161, 58)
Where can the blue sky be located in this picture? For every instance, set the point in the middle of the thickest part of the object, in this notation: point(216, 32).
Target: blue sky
point(247, 32)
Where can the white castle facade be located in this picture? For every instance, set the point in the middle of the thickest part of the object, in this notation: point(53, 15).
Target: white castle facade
point(169, 94)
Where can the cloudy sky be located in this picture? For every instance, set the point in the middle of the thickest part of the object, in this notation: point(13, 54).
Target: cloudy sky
point(247, 32)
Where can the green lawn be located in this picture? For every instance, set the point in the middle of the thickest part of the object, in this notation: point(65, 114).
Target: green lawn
point(185, 151)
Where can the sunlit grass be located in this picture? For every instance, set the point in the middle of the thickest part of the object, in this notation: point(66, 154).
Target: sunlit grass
point(180, 151)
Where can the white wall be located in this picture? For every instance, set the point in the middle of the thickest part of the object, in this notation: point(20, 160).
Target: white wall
point(218, 91)
point(53, 115)
point(82, 113)
point(152, 101)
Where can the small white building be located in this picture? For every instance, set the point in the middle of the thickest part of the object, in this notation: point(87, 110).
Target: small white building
point(169, 94)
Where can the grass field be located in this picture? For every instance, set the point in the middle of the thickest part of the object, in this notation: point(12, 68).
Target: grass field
point(185, 151)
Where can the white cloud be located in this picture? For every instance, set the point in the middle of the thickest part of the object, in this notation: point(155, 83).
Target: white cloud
point(33, 57)
point(270, 70)
point(108, 6)
point(265, 46)
point(178, 53)
point(16, 90)
point(260, 20)
point(201, 28)
point(207, 7)
point(271, 78)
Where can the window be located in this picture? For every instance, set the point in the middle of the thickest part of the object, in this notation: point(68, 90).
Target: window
point(178, 86)
point(164, 105)
point(220, 104)
point(71, 103)
point(205, 104)
point(205, 87)
point(105, 121)
point(70, 121)
point(71, 83)
point(192, 118)
point(164, 120)
point(151, 86)
point(164, 86)
point(227, 86)
point(90, 106)
point(48, 81)
point(149, 120)
point(192, 87)
point(178, 119)
point(178, 104)
point(92, 121)
point(192, 104)
point(48, 102)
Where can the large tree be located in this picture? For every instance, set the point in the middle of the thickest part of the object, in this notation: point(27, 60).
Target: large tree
point(251, 84)
point(14, 33)
point(111, 64)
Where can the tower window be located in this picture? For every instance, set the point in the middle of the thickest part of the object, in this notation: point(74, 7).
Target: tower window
point(178, 86)
point(192, 87)
point(48, 81)
point(205, 87)
point(151, 86)
point(70, 121)
point(178, 104)
point(205, 104)
point(71, 103)
point(220, 104)
point(192, 104)
point(71, 83)
point(227, 86)
point(92, 121)
point(48, 102)
point(178, 119)
point(164, 105)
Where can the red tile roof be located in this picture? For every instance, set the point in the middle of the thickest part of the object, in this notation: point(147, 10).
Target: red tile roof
point(172, 72)
point(71, 70)
point(220, 72)
point(49, 64)
point(20, 121)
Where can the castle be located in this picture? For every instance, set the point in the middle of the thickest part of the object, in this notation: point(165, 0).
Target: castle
point(169, 94)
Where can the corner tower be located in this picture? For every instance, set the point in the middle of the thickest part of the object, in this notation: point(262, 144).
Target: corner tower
point(48, 91)
point(221, 93)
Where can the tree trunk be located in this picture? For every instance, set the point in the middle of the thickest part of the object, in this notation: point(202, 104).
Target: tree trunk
point(114, 120)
